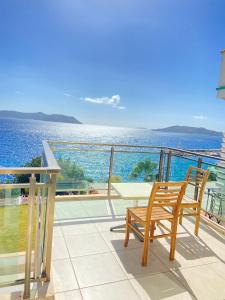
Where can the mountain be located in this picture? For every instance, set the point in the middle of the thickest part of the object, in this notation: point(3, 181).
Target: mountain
point(38, 116)
point(188, 129)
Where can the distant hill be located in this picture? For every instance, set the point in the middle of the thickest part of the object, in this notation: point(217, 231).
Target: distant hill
point(188, 129)
point(38, 116)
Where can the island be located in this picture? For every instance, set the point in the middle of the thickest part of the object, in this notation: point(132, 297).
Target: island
point(38, 116)
point(189, 129)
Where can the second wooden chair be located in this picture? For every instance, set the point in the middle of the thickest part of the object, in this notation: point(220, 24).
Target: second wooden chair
point(196, 179)
point(163, 204)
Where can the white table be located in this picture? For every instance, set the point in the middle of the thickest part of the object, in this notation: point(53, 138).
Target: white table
point(132, 191)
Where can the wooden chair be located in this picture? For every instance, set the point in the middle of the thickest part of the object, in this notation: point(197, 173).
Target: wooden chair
point(196, 178)
point(163, 204)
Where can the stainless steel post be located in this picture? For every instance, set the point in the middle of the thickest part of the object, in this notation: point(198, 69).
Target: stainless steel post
point(28, 259)
point(110, 171)
point(168, 166)
point(161, 165)
point(49, 227)
point(196, 188)
point(37, 248)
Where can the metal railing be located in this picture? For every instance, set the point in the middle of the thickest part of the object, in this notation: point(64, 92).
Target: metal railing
point(38, 209)
point(172, 164)
point(113, 161)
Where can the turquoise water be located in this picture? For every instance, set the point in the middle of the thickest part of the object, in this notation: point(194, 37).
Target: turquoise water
point(22, 140)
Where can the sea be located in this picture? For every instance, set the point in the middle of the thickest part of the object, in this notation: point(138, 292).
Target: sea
point(21, 140)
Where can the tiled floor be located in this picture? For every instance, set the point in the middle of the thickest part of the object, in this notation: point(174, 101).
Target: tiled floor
point(90, 262)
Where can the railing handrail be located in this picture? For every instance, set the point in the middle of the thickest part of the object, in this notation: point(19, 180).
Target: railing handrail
point(195, 153)
point(190, 152)
point(50, 158)
point(21, 185)
point(51, 168)
point(24, 170)
point(52, 142)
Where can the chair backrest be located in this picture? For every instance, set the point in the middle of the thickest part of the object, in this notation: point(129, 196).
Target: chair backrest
point(167, 195)
point(198, 178)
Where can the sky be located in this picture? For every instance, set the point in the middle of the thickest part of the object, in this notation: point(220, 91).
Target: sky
point(131, 63)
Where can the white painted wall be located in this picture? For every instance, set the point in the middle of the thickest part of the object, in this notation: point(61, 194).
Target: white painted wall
point(221, 93)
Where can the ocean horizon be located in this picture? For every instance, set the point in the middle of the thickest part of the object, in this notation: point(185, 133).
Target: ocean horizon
point(21, 140)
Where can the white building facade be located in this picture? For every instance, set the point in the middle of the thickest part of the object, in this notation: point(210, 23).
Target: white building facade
point(221, 95)
point(221, 87)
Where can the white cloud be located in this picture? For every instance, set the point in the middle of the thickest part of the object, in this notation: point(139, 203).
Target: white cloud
point(114, 101)
point(67, 94)
point(200, 117)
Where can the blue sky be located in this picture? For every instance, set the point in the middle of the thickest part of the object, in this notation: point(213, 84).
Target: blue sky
point(124, 63)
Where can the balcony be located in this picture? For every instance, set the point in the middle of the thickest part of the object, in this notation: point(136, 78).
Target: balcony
point(88, 261)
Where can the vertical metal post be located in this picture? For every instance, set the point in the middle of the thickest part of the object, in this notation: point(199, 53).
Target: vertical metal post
point(168, 165)
point(43, 204)
point(196, 187)
point(49, 227)
point(28, 258)
point(42, 165)
point(161, 166)
point(37, 248)
point(110, 171)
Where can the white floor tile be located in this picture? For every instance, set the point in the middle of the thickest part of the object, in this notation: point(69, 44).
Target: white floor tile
point(160, 286)
point(63, 275)
point(57, 231)
point(78, 227)
point(186, 255)
point(85, 244)
point(203, 281)
point(97, 269)
point(115, 240)
point(105, 225)
point(130, 262)
point(59, 250)
point(70, 295)
point(112, 291)
point(219, 268)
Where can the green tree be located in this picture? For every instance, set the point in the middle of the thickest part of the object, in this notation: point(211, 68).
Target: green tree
point(69, 170)
point(71, 176)
point(24, 178)
point(146, 168)
point(212, 174)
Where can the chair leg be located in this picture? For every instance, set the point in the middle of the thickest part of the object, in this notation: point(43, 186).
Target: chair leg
point(181, 216)
point(152, 229)
point(127, 234)
point(145, 248)
point(173, 240)
point(197, 221)
point(172, 247)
